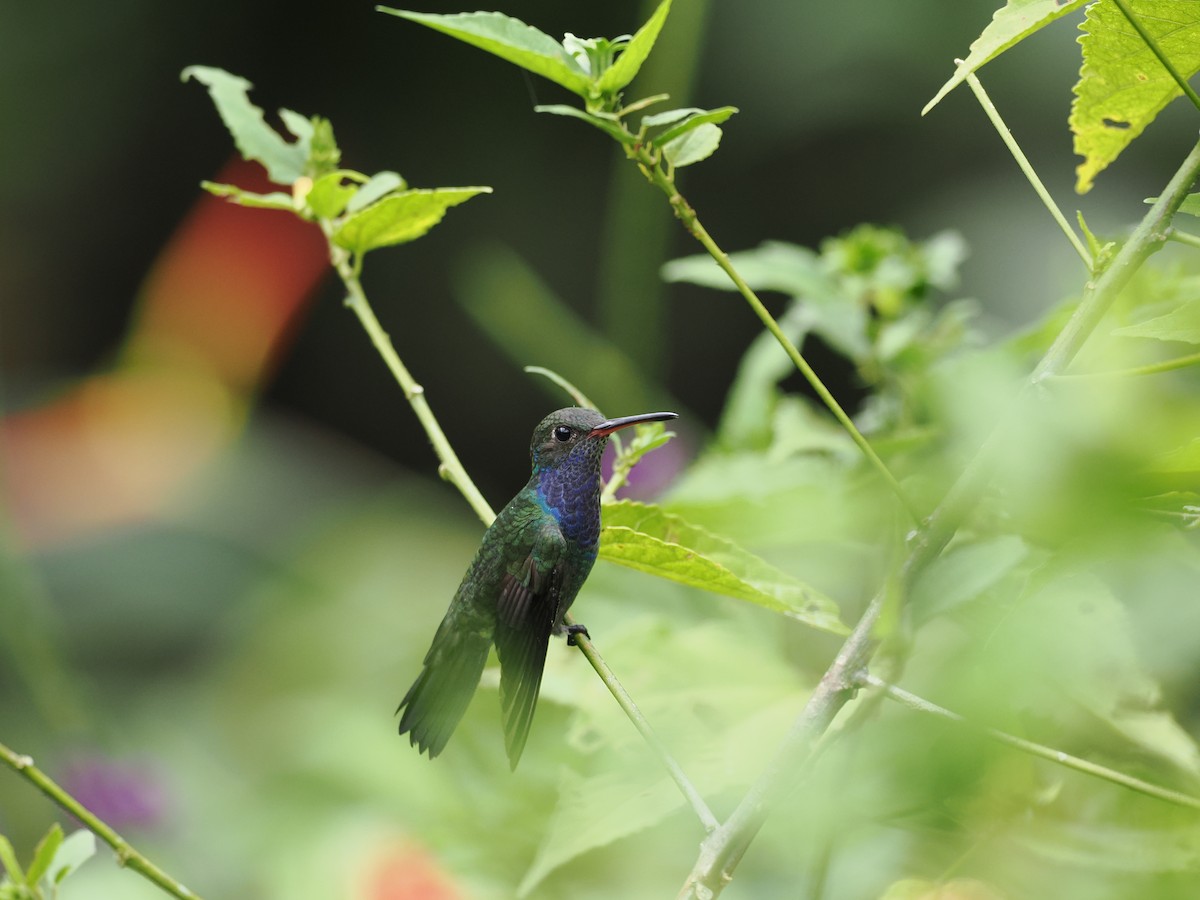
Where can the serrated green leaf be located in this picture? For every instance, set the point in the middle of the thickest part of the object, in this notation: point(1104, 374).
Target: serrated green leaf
point(255, 139)
point(606, 125)
point(626, 66)
point(1180, 324)
point(275, 200)
point(78, 848)
point(43, 854)
point(511, 40)
point(328, 196)
point(700, 117)
point(400, 217)
point(1123, 85)
point(8, 858)
point(647, 538)
point(693, 146)
point(377, 186)
point(1010, 25)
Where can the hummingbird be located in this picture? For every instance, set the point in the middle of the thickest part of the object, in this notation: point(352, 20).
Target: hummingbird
point(530, 565)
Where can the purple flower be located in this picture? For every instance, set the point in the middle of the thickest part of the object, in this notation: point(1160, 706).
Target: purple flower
point(123, 794)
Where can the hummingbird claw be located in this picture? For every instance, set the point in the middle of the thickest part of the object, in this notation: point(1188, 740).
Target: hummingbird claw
point(573, 630)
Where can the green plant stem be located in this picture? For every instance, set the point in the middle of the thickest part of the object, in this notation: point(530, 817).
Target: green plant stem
point(449, 467)
point(1157, 51)
point(664, 181)
point(1098, 297)
point(723, 849)
point(1183, 237)
point(699, 807)
point(1023, 162)
point(1169, 365)
point(452, 470)
point(912, 701)
point(127, 856)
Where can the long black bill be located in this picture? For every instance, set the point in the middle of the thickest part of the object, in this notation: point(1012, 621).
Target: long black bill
point(610, 425)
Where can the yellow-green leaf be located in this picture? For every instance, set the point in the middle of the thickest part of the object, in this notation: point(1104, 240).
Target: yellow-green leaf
point(400, 217)
point(647, 538)
point(1123, 85)
point(1010, 25)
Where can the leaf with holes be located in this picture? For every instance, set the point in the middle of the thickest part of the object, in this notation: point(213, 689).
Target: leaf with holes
point(1123, 85)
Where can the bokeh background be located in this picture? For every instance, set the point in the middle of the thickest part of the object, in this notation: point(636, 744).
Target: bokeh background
point(225, 543)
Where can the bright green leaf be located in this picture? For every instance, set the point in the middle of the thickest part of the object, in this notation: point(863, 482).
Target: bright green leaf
point(8, 858)
point(43, 854)
point(646, 538)
point(399, 218)
point(510, 39)
point(700, 117)
point(1010, 25)
point(328, 196)
point(275, 200)
point(667, 116)
point(627, 64)
point(78, 848)
point(1180, 324)
point(1123, 85)
point(377, 186)
point(693, 146)
point(255, 139)
point(606, 125)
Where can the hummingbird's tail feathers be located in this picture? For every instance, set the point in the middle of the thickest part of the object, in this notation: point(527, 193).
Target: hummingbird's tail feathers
point(523, 630)
point(439, 697)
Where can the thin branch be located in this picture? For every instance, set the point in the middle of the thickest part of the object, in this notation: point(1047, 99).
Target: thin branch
point(452, 470)
point(912, 701)
point(127, 856)
point(703, 813)
point(665, 181)
point(1185, 238)
point(1157, 51)
point(1168, 365)
point(1023, 162)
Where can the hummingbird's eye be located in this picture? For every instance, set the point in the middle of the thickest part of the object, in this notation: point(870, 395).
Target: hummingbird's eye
point(562, 433)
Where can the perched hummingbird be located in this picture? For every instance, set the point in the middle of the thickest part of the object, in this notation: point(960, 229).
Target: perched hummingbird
point(534, 558)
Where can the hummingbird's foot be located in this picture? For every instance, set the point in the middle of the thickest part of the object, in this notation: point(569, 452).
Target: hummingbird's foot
point(573, 630)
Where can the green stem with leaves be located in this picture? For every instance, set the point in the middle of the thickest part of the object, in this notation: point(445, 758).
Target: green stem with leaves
point(127, 856)
point(1058, 757)
point(721, 852)
point(651, 166)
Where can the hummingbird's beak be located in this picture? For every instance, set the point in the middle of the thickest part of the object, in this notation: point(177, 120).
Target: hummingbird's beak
point(608, 426)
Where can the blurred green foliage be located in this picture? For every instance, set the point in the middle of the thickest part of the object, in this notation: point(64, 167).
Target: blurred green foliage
point(265, 619)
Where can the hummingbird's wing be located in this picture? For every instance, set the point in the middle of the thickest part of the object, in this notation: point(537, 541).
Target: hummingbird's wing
point(525, 615)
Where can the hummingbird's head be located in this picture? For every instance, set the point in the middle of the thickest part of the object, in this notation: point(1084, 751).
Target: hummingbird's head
point(578, 434)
